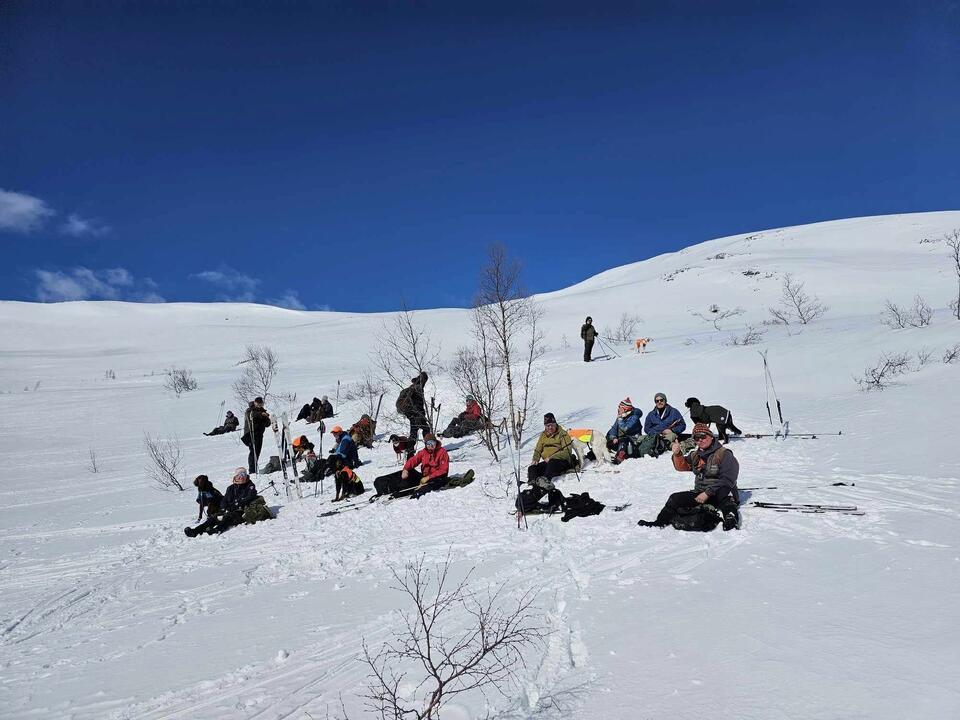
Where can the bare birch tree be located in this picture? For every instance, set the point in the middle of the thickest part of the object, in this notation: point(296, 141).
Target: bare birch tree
point(512, 321)
point(953, 242)
point(405, 349)
point(477, 371)
point(260, 366)
point(796, 303)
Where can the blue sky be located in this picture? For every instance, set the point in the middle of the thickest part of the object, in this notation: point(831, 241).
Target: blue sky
point(358, 155)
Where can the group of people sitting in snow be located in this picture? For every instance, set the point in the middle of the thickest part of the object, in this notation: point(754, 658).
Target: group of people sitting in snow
point(631, 436)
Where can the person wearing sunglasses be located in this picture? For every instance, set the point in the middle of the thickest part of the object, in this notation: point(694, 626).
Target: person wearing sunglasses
point(434, 463)
point(715, 471)
point(662, 426)
point(552, 456)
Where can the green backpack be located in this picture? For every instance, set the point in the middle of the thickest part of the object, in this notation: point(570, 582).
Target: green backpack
point(256, 511)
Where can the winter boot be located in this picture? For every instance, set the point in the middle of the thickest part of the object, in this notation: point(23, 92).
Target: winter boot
point(272, 466)
point(190, 532)
point(649, 523)
point(731, 520)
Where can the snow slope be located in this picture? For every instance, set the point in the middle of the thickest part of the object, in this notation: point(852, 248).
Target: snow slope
point(108, 611)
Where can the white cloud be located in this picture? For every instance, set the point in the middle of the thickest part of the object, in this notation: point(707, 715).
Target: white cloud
point(77, 226)
point(289, 300)
point(82, 283)
point(234, 285)
point(22, 213)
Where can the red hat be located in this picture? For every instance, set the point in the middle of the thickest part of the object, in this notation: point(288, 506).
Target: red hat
point(625, 405)
point(703, 428)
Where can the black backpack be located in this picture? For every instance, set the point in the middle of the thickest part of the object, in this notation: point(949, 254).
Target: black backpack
point(581, 505)
point(702, 518)
point(405, 401)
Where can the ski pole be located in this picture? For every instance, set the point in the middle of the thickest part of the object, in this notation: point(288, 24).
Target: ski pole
point(805, 487)
point(220, 414)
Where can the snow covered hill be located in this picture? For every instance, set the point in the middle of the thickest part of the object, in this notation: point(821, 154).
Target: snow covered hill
point(108, 611)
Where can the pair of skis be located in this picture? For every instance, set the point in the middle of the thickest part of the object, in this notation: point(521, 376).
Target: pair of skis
point(809, 508)
point(282, 435)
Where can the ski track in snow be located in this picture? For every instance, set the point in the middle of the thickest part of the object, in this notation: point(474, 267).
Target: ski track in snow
point(108, 611)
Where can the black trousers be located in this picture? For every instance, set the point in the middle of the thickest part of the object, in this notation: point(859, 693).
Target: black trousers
point(417, 423)
point(554, 467)
point(724, 501)
point(392, 482)
point(256, 445)
point(220, 523)
point(587, 350)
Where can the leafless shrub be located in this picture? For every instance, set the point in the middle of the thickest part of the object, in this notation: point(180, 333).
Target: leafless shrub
point(750, 336)
point(165, 458)
point(924, 357)
point(93, 466)
point(953, 243)
point(881, 375)
point(625, 329)
point(443, 658)
point(405, 349)
point(260, 366)
point(179, 381)
point(511, 321)
point(366, 391)
point(715, 315)
point(951, 355)
point(564, 342)
point(109, 375)
point(894, 316)
point(796, 304)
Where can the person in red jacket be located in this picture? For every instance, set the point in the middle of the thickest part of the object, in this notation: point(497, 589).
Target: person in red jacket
point(434, 465)
point(469, 421)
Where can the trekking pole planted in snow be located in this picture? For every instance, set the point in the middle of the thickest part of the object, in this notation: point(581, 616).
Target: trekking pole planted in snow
point(338, 396)
point(220, 415)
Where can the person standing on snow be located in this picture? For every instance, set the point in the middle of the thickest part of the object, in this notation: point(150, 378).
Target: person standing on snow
point(256, 421)
point(588, 333)
point(412, 405)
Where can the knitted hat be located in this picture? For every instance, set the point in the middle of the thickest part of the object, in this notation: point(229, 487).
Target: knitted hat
point(428, 436)
point(625, 405)
point(549, 419)
point(703, 429)
point(658, 396)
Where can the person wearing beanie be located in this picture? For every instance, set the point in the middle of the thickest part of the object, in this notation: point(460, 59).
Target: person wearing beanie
point(662, 426)
point(624, 436)
point(230, 424)
point(716, 414)
point(715, 471)
point(588, 333)
point(256, 421)
point(552, 455)
point(434, 463)
point(412, 405)
point(241, 493)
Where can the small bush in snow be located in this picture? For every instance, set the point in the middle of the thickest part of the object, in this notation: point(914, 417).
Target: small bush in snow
point(953, 243)
point(795, 304)
point(453, 640)
point(93, 466)
point(625, 329)
point(715, 315)
point(165, 458)
point(952, 355)
point(366, 391)
point(750, 336)
point(894, 316)
point(179, 381)
point(881, 375)
point(924, 357)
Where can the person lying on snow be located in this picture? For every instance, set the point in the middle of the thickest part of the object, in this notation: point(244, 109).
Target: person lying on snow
point(715, 471)
point(469, 421)
point(624, 436)
point(230, 423)
point(552, 456)
point(345, 447)
point(240, 504)
point(434, 465)
point(716, 414)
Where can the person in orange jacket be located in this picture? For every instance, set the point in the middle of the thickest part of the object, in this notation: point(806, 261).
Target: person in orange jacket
point(434, 465)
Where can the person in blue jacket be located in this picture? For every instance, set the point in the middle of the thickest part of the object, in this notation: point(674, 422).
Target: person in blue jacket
point(346, 448)
point(623, 437)
point(241, 493)
point(664, 420)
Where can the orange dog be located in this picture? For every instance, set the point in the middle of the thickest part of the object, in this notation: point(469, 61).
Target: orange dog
point(642, 344)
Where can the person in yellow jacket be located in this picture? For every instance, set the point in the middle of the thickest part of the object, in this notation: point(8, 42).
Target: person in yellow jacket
point(553, 455)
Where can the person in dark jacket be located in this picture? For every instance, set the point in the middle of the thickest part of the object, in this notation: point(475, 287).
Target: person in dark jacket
point(241, 493)
point(412, 405)
point(434, 465)
point(230, 424)
point(323, 410)
point(588, 333)
point(345, 447)
point(715, 472)
point(256, 421)
point(469, 421)
point(716, 414)
point(624, 435)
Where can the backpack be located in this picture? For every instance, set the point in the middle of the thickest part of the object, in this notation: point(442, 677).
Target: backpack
point(702, 518)
point(528, 501)
point(405, 401)
point(581, 505)
point(256, 510)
